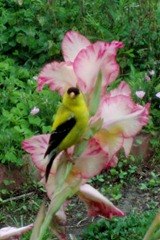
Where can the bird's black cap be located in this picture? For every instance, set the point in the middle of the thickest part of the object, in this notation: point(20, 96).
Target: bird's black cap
point(73, 90)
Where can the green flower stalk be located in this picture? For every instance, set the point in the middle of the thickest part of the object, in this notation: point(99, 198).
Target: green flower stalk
point(152, 234)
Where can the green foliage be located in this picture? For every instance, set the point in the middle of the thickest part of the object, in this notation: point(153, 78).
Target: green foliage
point(152, 181)
point(18, 96)
point(155, 143)
point(32, 30)
point(137, 81)
point(112, 180)
point(136, 23)
point(27, 31)
point(130, 227)
point(31, 35)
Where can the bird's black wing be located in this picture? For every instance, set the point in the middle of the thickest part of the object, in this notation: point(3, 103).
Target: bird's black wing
point(56, 138)
point(59, 134)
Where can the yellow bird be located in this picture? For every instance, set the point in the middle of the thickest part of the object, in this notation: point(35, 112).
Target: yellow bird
point(69, 125)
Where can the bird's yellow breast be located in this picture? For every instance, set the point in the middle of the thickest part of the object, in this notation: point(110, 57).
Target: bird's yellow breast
point(79, 111)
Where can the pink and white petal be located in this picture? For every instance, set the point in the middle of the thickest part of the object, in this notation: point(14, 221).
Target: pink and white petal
point(113, 108)
point(59, 76)
point(121, 119)
point(87, 65)
point(13, 232)
point(72, 44)
point(121, 115)
point(110, 72)
point(50, 186)
point(97, 204)
point(112, 163)
point(122, 89)
point(106, 109)
point(143, 118)
point(37, 146)
point(111, 143)
point(127, 144)
point(110, 68)
point(59, 166)
point(114, 45)
point(91, 162)
point(130, 124)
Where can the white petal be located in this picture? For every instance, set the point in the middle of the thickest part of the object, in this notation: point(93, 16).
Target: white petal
point(72, 44)
point(59, 76)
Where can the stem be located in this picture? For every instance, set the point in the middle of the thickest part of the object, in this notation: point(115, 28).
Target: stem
point(152, 228)
point(38, 222)
point(156, 235)
point(58, 200)
point(61, 194)
point(64, 176)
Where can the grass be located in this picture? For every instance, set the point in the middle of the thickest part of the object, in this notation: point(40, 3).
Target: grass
point(130, 227)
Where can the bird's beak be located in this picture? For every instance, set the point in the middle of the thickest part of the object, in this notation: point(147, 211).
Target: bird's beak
point(72, 95)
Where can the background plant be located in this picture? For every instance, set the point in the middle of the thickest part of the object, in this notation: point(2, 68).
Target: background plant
point(31, 33)
point(130, 227)
point(18, 97)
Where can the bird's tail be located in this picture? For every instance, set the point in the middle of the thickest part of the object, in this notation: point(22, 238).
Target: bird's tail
point(52, 156)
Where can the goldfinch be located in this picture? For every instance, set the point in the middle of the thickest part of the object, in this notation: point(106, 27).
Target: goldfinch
point(69, 125)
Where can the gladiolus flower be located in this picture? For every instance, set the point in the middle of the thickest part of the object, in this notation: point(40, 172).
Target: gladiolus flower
point(140, 94)
point(115, 120)
point(89, 164)
point(122, 120)
point(96, 159)
point(80, 54)
point(36, 146)
point(97, 204)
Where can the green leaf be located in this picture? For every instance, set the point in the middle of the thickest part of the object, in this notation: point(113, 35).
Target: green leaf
point(38, 222)
point(113, 172)
point(157, 88)
point(18, 129)
point(96, 126)
point(95, 97)
point(56, 202)
point(34, 120)
point(79, 148)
